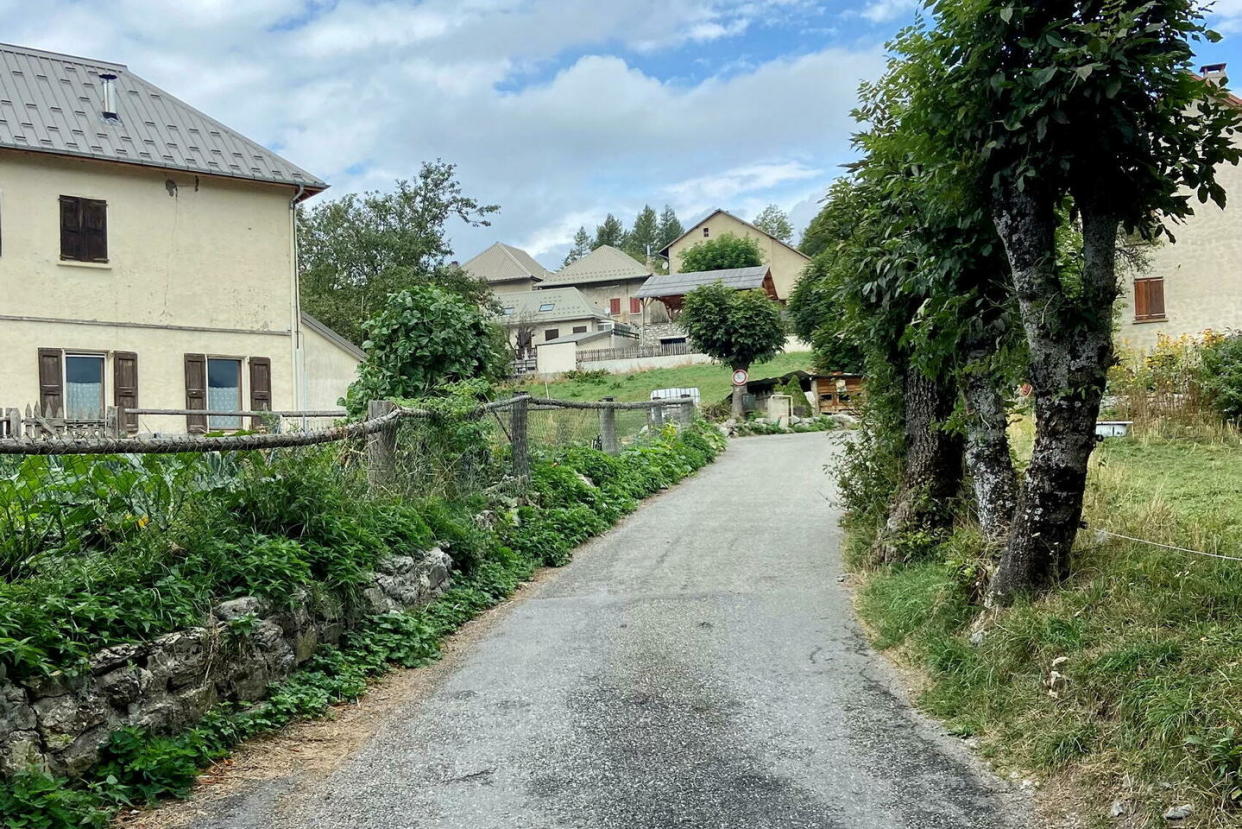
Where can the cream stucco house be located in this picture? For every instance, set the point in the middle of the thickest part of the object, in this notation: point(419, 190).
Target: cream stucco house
point(786, 261)
point(147, 255)
point(608, 278)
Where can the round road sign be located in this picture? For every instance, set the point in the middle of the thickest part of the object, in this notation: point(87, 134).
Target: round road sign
point(740, 377)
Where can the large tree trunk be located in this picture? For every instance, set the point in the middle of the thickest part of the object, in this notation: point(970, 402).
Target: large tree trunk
point(931, 469)
point(993, 479)
point(1070, 344)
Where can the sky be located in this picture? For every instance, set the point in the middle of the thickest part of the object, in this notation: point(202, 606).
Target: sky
point(558, 111)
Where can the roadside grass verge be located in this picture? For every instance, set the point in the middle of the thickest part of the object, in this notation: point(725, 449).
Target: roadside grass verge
point(559, 509)
point(714, 382)
point(1145, 705)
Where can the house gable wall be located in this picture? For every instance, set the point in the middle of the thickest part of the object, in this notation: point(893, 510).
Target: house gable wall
point(787, 265)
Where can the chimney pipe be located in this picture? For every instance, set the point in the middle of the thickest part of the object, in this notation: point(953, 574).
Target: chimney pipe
point(109, 95)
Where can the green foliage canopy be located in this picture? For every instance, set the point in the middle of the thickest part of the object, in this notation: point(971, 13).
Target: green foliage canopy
point(727, 250)
point(774, 221)
point(736, 328)
point(423, 339)
point(355, 251)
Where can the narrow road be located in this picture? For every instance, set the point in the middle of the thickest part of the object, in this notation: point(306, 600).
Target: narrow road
point(698, 666)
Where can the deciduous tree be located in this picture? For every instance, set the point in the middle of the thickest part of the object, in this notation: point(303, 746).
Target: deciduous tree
point(774, 221)
point(736, 328)
point(727, 250)
point(355, 251)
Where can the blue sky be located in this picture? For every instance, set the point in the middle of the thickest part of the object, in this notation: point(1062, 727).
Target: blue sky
point(558, 111)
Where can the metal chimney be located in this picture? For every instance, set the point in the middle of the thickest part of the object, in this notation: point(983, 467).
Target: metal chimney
point(107, 81)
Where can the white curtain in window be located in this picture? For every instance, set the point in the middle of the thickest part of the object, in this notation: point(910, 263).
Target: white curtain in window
point(84, 387)
point(224, 392)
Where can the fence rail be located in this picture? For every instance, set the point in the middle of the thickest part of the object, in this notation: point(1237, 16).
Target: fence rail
point(379, 429)
point(663, 350)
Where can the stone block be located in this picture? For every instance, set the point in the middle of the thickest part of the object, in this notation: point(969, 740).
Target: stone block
point(123, 686)
point(15, 711)
point(180, 658)
point(237, 608)
point(19, 751)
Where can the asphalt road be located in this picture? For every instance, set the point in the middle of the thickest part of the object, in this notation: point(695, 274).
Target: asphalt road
point(698, 666)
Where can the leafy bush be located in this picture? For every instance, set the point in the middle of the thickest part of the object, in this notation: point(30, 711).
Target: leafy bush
point(1222, 375)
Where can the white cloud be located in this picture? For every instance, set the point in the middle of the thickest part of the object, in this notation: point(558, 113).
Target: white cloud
point(379, 87)
point(882, 11)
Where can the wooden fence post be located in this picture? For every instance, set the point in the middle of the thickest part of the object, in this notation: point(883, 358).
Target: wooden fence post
point(608, 428)
point(518, 435)
point(657, 416)
point(14, 418)
point(381, 448)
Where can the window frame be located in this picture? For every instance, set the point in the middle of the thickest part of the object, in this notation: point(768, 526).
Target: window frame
point(614, 305)
point(68, 354)
point(546, 307)
point(706, 232)
point(550, 334)
point(579, 329)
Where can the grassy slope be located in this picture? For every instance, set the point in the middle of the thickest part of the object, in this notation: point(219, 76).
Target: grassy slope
point(712, 381)
point(1153, 640)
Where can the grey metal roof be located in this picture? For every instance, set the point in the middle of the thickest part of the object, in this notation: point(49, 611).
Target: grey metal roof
point(678, 284)
point(604, 264)
point(567, 304)
point(504, 263)
point(53, 103)
point(577, 338)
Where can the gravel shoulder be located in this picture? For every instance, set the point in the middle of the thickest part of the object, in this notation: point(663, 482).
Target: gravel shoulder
point(697, 666)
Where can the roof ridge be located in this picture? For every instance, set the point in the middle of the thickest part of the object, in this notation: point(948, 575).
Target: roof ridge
point(64, 56)
point(737, 219)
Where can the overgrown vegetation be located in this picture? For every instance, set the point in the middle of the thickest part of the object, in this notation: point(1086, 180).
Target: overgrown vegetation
point(143, 547)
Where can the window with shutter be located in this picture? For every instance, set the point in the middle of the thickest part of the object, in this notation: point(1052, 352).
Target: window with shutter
point(125, 387)
point(224, 392)
point(260, 387)
point(196, 391)
point(83, 229)
point(51, 382)
point(84, 388)
point(1149, 299)
point(614, 305)
point(636, 305)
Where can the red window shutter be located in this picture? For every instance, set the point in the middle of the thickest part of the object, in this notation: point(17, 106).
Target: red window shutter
point(260, 388)
point(614, 305)
point(196, 391)
point(636, 305)
point(71, 228)
point(51, 382)
point(125, 386)
point(95, 230)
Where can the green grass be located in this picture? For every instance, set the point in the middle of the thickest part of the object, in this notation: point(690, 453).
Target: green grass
point(1152, 640)
point(713, 381)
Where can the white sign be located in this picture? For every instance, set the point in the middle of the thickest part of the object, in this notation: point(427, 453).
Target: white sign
point(740, 377)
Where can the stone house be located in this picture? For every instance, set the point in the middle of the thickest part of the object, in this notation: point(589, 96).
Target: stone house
point(535, 317)
point(786, 261)
point(1195, 283)
point(147, 255)
point(608, 278)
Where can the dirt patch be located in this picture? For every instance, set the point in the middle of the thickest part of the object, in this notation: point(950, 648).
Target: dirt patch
point(305, 752)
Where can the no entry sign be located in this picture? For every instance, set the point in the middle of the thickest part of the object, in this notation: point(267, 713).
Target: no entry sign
point(740, 377)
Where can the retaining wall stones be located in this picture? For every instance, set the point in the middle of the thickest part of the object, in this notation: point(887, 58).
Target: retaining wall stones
point(60, 722)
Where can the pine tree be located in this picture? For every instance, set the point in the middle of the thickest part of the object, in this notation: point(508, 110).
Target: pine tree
point(773, 221)
point(642, 242)
point(582, 246)
point(611, 232)
point(670, 228)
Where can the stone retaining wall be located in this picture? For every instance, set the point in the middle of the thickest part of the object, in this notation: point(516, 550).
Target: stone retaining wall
point(60, 722)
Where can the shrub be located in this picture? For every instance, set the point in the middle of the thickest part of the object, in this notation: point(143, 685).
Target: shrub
point(1222, 375)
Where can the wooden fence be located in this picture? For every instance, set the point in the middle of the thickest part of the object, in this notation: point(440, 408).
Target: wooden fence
point(661, 350)
point(379, 429)
point(51, 424)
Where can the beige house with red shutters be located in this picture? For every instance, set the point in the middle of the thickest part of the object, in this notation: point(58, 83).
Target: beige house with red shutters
point(147, 255)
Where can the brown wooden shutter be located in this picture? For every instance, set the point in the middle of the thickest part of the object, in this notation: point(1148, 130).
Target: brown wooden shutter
point(196, 391)
point(260, 388)
point(1149, 299)
point(71, 246)
point(95, 230)
point(51, 382)
point(125, 386)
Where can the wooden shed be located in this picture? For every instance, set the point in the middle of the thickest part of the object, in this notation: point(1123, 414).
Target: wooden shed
point(838, 391)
